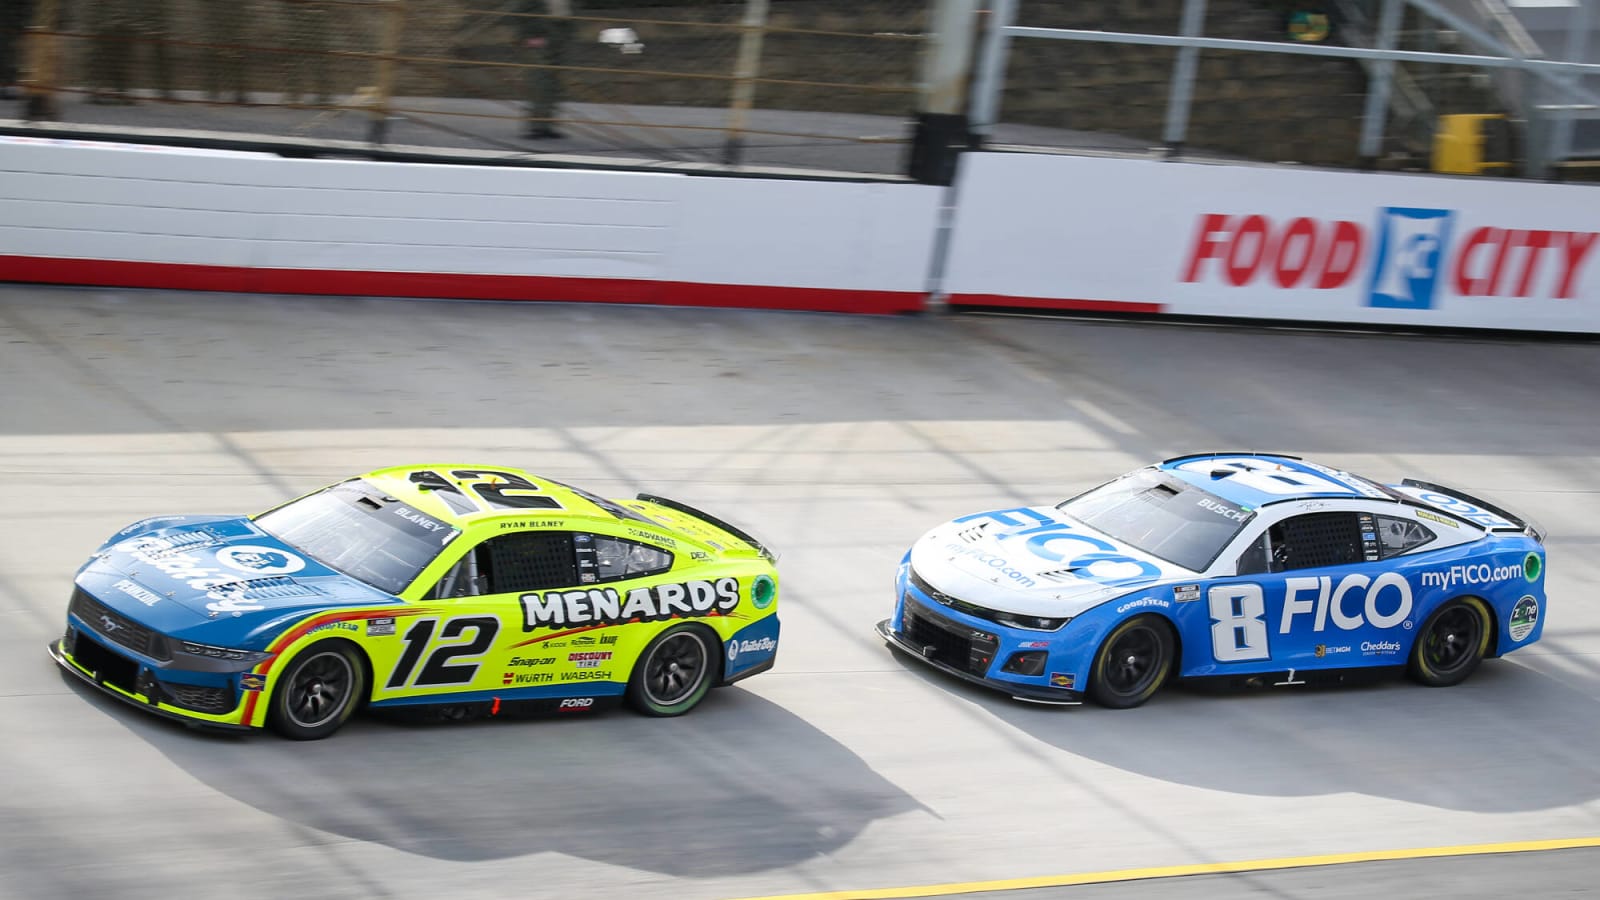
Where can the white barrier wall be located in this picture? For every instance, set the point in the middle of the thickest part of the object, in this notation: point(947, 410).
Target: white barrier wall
point(146, 217)
point(1274, 243)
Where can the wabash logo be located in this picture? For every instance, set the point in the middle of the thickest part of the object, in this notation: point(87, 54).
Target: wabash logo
point(1414, 252)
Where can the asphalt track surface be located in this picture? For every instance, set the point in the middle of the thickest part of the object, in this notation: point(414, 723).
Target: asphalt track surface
point(840, 439)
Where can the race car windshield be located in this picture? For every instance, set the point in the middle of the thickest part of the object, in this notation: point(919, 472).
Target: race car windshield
point(356, 529)
point(1163, 516)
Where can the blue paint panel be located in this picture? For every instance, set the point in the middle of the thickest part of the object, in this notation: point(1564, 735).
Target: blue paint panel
point(751, 646)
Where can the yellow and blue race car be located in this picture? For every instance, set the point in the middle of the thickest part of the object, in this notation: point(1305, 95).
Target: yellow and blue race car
point(454, 590)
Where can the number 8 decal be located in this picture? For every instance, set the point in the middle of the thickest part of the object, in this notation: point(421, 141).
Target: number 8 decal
point(1238, 622)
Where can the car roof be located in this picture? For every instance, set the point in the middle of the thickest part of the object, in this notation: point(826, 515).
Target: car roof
point(1292, 478)
point(464, 494)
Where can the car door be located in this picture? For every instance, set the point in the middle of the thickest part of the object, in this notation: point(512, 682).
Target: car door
point(1305, 590)
point(471, 637)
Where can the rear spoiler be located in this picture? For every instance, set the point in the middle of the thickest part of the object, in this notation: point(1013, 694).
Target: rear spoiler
point(1519, 523)
point(713, 521)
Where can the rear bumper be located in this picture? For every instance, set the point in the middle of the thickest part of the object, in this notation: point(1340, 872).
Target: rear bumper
point(141, 701)
point(1027, 693)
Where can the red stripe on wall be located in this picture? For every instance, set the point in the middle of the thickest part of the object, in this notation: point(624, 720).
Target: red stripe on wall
point(457, 286)
point(1121, 306)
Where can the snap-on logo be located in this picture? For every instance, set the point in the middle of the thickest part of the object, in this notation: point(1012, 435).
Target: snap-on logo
point(1409, 257)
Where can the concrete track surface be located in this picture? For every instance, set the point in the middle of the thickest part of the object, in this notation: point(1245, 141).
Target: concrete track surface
point(840, 440)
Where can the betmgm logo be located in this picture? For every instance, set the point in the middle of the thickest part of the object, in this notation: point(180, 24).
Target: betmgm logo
point(1411, 254)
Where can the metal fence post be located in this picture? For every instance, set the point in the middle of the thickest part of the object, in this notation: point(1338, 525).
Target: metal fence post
point(41, 52)
point(751, 33)
point(1377, 109)
point(1533, 155)
point(987, 87)
point(1578, 24)
point(1181, 94)
point(393, 12)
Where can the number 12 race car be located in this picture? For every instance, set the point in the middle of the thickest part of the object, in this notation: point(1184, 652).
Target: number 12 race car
point(1259, 569)
point(463, 590)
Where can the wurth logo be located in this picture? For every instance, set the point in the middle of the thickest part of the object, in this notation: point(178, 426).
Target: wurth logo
point(1408, 257)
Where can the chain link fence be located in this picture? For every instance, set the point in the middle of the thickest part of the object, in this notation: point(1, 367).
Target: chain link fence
point(816, 83)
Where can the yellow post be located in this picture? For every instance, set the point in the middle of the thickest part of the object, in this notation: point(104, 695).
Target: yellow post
point(1458, 145)
point(41, 50)
point(393, 28)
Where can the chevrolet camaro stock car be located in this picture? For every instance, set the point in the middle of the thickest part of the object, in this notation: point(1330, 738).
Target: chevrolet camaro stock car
point(460, 590)
point(1251, 568)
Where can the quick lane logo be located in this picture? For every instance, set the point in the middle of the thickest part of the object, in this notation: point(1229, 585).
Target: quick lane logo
point(1411, 245)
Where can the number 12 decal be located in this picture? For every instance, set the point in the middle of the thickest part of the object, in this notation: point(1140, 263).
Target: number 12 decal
point(438, 670)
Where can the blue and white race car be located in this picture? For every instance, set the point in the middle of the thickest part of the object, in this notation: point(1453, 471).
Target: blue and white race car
point(1255, 568)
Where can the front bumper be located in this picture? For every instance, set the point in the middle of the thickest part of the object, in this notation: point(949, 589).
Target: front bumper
point(1028, 693)
point(146, 694)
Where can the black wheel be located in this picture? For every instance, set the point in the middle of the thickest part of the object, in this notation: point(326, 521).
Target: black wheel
point(317, 692)
point(674, 673)
point(1452, 643)
point(1134, 661)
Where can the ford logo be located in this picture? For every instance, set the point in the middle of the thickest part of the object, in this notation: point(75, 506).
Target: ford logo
point(110, 623)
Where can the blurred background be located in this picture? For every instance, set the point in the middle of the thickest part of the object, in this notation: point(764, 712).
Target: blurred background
point(863, 86)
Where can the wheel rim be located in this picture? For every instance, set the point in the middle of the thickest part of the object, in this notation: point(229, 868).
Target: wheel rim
point(1133, 661)
point(319, 689)
point(1453, 639)
point(675, 669)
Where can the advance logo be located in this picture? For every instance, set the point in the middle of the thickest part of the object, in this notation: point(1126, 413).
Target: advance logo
point(1411, 244)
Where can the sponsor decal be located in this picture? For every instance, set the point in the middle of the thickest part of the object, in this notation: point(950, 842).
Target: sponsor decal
point(260, 560)
point(1143, 603)
point(998, 563)
point(575, 703)
point(587, 675)
point(1227, 511)
point(763, 592)
point(1380, 648)
point(1476, 573)
point(699, 555)
point(1185, 593)
point(514, 678)
point(1323, 650)
point(590, 659)
point(1089, 558)
point(1436, 518)
point(1532, 567)
point(1524, 616)
point(608, 606)
point(380, 627)
point(1034, 645)
point(530, 661)
point(1410, 257)
point(586, 640)
point(252, 682)
point(187, 568)
point(759, 645)
point(1382, 602)
point(1061, 679)
point(421, 520)
point(652, 536)
point(147, 597)
point(334, 626)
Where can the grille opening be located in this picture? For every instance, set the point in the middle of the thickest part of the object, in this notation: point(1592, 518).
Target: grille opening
point(114, 627)
point(1028, 662)
point(107, 666)
point(947, 642)
point(200, 698)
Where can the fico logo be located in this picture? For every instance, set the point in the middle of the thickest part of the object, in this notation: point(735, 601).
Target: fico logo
point(1413, 255)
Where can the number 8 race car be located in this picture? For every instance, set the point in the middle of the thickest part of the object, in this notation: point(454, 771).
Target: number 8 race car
point(466, 591)
point(1258, 569)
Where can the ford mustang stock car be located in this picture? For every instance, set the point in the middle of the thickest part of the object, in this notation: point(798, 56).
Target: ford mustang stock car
point(462, 591)
point(1249, 568)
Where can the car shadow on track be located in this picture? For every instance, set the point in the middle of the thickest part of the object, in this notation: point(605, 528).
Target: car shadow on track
point(738, 786)
point(1509, 739)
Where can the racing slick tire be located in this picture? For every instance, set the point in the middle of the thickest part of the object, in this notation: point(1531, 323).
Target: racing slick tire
point(1452, 643)
point(674, 673)
point(1133, 662)
point(319, 689)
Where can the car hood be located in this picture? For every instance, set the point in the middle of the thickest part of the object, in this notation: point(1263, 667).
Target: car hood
point(182, 572)
point(1035, 561)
